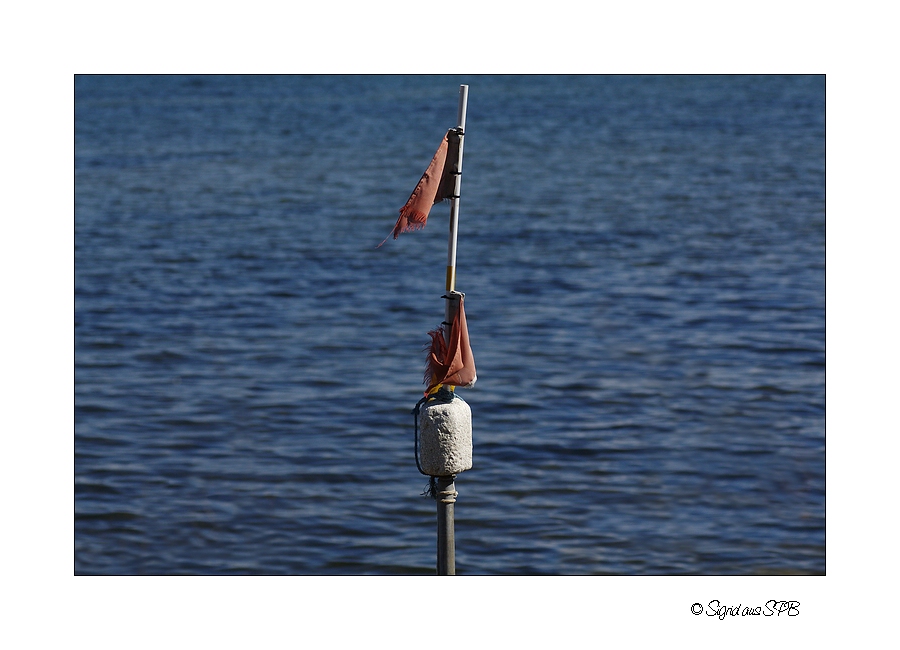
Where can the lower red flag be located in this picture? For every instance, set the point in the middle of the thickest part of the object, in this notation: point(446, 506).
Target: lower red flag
point(452, 364)
point(436, 184)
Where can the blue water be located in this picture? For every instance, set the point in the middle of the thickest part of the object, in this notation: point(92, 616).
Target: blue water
point(643, 260)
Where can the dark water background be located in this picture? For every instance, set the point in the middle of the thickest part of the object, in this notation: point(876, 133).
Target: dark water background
point(644, 264)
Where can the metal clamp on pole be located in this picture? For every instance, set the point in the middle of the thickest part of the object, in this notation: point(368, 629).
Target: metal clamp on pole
point(450, 309)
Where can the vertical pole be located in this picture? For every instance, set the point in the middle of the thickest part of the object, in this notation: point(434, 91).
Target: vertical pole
point(454, 202)
point(445, 488)
point(446, 551)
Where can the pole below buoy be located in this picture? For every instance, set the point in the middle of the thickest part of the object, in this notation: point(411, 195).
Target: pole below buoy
point(445, 495)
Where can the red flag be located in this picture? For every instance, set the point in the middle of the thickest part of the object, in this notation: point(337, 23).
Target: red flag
point(453, 365)
point(436, 184)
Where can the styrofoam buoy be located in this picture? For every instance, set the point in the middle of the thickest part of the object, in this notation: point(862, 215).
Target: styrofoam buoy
point(445, 437)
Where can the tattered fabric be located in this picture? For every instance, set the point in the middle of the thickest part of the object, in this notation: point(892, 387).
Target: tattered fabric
point(453, 364)
point(436, 184)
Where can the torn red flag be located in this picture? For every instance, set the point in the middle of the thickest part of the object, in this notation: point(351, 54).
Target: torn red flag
point(436, 184)
point(451, 364)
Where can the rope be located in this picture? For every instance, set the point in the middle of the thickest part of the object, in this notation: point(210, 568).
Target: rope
point(444, 395)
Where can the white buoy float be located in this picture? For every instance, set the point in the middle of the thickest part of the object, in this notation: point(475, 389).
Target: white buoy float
point(444, 435)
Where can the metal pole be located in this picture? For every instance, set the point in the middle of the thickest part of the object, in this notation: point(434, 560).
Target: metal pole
point(445, 488)
point(446, 542)
point(454, 202)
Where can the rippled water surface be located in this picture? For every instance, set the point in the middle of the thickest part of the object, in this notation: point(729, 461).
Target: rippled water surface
point(643, 261)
